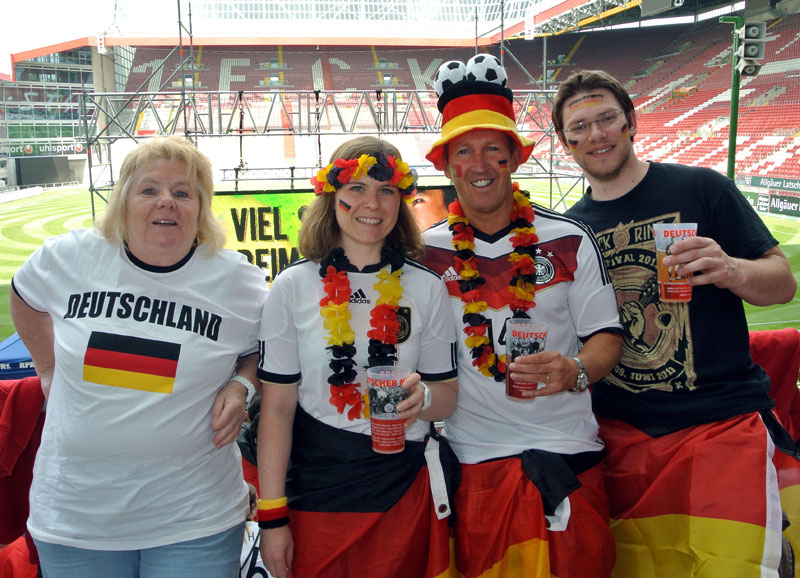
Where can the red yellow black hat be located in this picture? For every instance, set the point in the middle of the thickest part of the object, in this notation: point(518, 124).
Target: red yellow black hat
point(475, 97)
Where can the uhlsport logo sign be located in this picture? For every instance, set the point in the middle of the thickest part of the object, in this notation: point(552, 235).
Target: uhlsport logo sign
point(46, 149)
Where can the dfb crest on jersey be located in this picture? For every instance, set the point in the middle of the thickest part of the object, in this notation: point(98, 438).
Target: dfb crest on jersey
point(545, 271)
point(486, 68)
point(448, 74)
point(404, 319)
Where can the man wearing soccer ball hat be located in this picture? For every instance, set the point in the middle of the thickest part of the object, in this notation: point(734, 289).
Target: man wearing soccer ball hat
point(532, 501)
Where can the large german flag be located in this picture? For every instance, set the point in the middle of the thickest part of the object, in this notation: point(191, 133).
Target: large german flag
point(358, 513)
point(501, 529)
point(131, 362)
point(702, 501)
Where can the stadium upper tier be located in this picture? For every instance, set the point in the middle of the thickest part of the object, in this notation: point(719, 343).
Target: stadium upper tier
point(680, 77)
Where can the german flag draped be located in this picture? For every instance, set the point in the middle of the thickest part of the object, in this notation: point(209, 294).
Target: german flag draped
point(358, 513)
point(501, 528)
point(778, 352)
point(131, 362)
point(702, 501)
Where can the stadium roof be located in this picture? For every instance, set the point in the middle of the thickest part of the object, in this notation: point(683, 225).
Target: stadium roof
point(329, 22)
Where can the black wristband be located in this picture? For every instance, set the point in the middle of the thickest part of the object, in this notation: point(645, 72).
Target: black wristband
point(279, 523)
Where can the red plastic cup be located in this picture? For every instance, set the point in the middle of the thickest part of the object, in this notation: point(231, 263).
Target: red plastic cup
point(523, 337)
point(385, 383)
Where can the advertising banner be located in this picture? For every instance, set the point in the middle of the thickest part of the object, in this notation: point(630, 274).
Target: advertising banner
point(263, 226)
point(43, 149)
point(784, 205)
point(777, 183)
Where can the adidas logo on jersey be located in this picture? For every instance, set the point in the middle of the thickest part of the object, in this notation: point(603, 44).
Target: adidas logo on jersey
point(450, 275)
point(359, 296)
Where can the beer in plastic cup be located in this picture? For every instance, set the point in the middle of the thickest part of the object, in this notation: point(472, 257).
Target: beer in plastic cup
point(385, 383)
point(523, 336)
point(672, 287)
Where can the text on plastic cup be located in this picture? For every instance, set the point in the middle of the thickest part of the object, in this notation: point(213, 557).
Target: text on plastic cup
point(667, 233)
point(518, 334)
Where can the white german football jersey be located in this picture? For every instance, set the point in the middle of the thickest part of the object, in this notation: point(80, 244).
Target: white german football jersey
point(574, 297)
point(293, 339)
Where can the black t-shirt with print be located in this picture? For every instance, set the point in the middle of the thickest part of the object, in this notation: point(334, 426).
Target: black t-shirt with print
point(682, 364)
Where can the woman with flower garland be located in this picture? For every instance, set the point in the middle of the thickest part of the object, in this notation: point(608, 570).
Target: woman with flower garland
point(357, 300)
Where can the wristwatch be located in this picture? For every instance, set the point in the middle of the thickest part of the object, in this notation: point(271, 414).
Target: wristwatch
point(582, 382)
point(426, 395)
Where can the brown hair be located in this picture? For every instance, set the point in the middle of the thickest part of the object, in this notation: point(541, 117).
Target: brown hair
point(198, 168)
point(584, 81)
point(319, 233)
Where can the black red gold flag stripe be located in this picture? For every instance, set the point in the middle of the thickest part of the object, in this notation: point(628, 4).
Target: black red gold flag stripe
point(131, 362)
point(670, 519)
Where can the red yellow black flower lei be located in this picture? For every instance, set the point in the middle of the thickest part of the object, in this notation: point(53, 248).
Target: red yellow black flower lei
point(521, 286)
point(334, 308)
point(383, 168)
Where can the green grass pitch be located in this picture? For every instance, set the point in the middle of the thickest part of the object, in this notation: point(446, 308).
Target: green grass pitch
point(26, 223)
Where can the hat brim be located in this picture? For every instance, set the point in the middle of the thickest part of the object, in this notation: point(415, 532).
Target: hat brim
point(436, 151)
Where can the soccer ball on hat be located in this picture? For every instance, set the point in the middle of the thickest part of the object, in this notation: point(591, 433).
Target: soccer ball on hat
point(486, 67)
point(448, 74)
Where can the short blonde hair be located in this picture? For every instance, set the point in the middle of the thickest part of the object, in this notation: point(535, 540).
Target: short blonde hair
point(319, 234)
point(210, 230)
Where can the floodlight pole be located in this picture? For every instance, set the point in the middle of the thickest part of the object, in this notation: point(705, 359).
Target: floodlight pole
point(502, 29)
point(476, 29)
point(737, 22)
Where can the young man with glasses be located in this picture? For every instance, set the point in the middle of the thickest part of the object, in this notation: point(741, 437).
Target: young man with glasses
point(685, 415)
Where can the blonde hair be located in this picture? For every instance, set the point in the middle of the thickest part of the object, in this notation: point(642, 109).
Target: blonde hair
point(319, 234)
point(210, 230)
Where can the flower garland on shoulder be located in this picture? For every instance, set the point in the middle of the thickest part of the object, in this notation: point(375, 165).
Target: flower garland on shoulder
point(522, 284)
point(384, 168)
point(335, 310)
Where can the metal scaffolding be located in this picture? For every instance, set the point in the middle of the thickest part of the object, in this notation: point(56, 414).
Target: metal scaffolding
point(110, 116)
point(270, 113)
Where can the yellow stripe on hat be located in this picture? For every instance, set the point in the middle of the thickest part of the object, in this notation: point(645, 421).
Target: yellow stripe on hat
point(477, 119)
point(480, 120)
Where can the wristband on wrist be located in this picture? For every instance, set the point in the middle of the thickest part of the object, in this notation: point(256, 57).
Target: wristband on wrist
point(273, 513)
point(251, 389)
point(426, 396)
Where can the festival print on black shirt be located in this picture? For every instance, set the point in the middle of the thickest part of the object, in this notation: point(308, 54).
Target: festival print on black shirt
point(657, 351)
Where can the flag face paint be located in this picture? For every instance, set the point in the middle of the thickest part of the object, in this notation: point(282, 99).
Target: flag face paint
point(455, 170)
point(131, 362)
point(573, 144)
point(624, 130)
point(588, 100)
point(503, 164)
point(344, 207)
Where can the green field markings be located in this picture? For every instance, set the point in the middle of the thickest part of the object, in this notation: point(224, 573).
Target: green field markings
point(15, 233)
point(787, 233)
point(6, 326)
point(11, 250)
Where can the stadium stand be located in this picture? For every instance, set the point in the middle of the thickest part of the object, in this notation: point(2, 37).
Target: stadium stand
point(679, 76)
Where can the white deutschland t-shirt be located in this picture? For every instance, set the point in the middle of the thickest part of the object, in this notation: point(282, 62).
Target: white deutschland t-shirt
point(127, 459)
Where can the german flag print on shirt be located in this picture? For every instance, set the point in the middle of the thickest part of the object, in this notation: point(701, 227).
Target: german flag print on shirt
point(131, 362)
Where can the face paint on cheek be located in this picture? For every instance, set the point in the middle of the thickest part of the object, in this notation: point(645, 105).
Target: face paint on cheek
point(624, 130)
point(502, 164)
point(573, 144)
point(455, 170)
point(344, 207)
